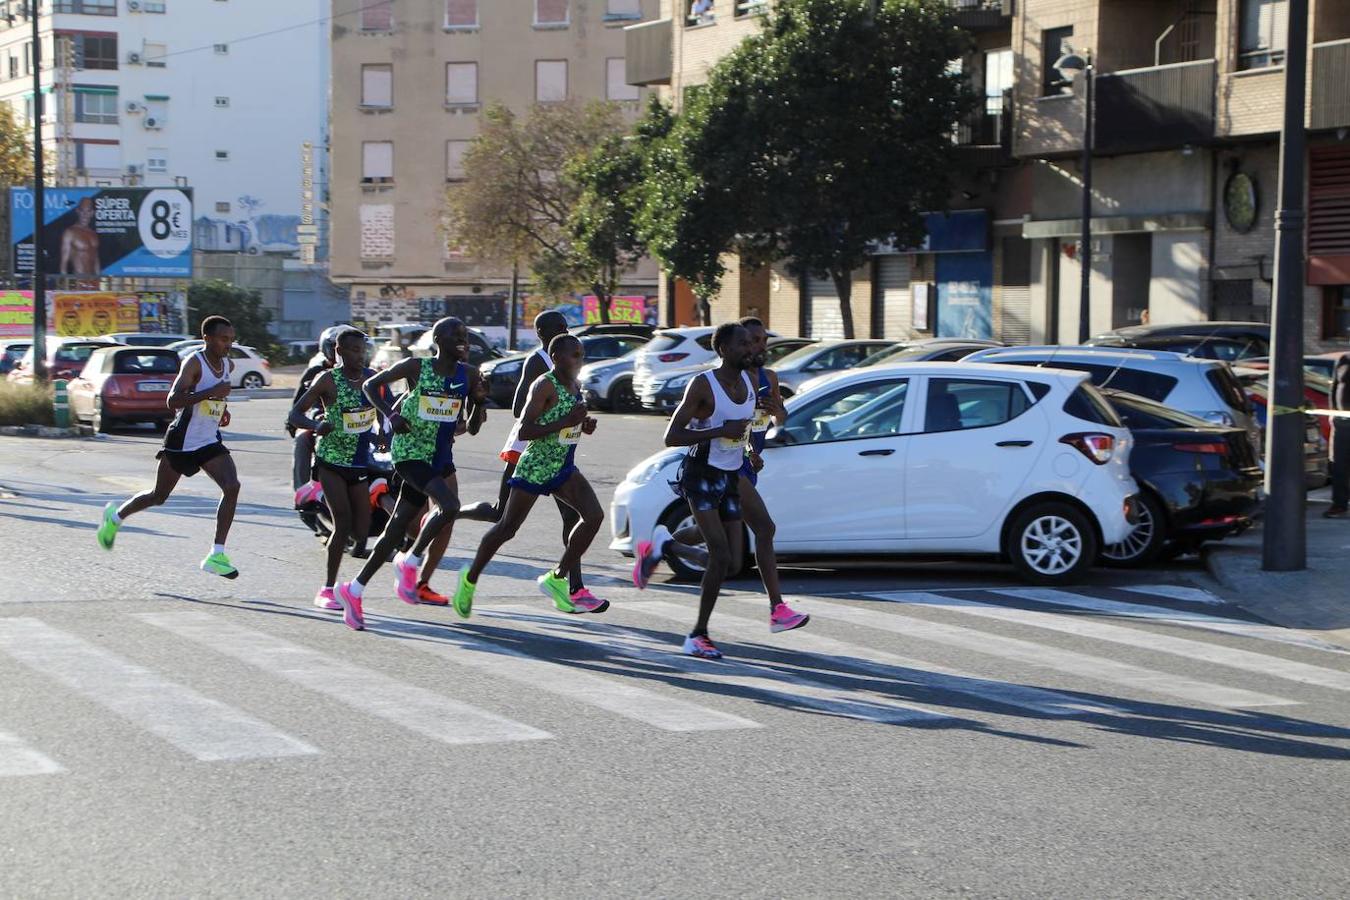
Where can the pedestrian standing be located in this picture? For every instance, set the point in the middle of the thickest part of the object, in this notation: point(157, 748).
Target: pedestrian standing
point(1340, 440)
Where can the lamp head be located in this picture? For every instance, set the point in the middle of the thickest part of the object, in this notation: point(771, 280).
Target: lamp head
point(1070, 65)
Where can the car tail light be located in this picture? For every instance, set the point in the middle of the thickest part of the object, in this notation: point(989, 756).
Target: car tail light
point(671, 357)
point(265, 364)
point(111, 388)
point(1095, 446)
point(1219, 447)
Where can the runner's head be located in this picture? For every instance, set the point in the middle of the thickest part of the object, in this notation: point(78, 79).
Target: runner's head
point(549, 324)
point(351, 348)
point(759, 341)
point(568, 355)
point(451, 337)
point(218, 333)
point(731, 341)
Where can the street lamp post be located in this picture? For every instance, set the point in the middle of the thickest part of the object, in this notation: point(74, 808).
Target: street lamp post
point(1071, 65)
point(39, 205)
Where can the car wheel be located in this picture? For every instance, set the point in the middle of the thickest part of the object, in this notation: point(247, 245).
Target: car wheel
point(251, 381)
point(101, 423)
point(1051, 543)
point(622, 399)
point(678, 518)
point(1145, 543)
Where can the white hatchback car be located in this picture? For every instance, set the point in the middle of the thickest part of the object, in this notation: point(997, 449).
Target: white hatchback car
point(249, 369)
point(929, 459)
point(670, 349)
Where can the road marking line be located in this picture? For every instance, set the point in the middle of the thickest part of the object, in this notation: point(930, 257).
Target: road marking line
point(1202, 621)
point(1097, 668)
point(1173, 592)
point(198, 725)
point(417, 709)
point(1148, 640)
point(611, 694)
point(790, 691)
point(17, 758)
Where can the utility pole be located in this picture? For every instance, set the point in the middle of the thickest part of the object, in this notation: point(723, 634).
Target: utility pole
point(511, 317)
point(1284, 539)
point(39, 206)
point(1085, 237)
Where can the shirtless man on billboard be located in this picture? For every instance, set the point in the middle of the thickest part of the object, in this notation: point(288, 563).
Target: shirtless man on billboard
point(79, 242)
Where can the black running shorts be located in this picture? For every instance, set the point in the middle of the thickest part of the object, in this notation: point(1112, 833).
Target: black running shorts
point(416, 475)
point(189, 462)
point(709, 488)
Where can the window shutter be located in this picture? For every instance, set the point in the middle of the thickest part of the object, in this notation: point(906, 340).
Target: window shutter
point(377, 159)
point(550, 80)
point(461, 82)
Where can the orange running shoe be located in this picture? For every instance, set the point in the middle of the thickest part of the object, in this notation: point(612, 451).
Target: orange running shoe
point(426, 595)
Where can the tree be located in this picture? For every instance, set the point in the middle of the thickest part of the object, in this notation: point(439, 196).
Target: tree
point(519, 191)
point(242, 306)
point(825, 133)
point(16, 151)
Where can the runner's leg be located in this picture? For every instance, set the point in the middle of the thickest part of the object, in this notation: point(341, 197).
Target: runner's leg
point(715, 536)
point(518, 506)
point(221, 470)
point(358, 495)
point(404, 512)
point(339, 500)
point(761, 523)
point(302, 459)
point(570, 520)
point(485, 511)
point(166, 479)
point(579, 498)
point(445, 506)
point(439, 544)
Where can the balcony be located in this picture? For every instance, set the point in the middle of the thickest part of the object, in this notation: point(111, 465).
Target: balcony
point(984, 139)
point(1155, 108)
point(1330, 79)
point(983, 15)
point(649, 53)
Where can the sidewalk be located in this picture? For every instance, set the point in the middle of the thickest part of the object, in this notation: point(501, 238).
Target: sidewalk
point(1317, 598)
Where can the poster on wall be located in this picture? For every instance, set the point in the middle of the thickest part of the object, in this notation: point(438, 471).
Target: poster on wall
point(965, 295)
point(90, 314)
point(16, 314)
point(634, 310)
point(93, 232)
point(919, 292)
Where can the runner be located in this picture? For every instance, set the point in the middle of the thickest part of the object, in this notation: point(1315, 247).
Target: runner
point(193, 444)
point(428, 417)
point(302, 448)
point(552, 424)
point(346, 434)
point(768, 411)
point(548, 325)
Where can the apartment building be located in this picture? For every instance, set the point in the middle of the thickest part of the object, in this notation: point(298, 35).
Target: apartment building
point(410, 81)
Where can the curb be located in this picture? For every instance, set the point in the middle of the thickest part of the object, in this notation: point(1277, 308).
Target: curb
point(40, 431)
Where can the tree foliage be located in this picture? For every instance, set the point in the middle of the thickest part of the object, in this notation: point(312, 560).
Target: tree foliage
point(242, 306)
point(826, 132)
point(16, 150)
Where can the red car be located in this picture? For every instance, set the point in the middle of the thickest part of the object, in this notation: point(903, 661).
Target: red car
point(65, 358)
point(121, 384)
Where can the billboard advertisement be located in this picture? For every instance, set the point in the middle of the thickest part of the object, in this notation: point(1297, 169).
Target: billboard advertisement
point(92, 313)
point(628, 310)
point(94, 232)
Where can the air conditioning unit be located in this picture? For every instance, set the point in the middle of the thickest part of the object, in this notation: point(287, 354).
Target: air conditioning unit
point(152, 123)
point(133, 5)
point(134, 169)
point(134, 107)
point(134, 59)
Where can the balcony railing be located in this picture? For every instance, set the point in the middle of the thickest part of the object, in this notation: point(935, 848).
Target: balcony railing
point(1330, 107)
point(1155, 108)
point(649, 53)
point(983, 15)
point(984, 138)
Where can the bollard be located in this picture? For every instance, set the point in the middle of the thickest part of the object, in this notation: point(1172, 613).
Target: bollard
point(60, 404)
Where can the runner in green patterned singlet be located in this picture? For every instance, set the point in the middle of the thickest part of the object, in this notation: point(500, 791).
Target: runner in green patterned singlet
point(553, 422)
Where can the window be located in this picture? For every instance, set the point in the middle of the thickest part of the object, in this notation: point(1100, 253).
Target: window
point(998, 79)
point(1088, 404)
point(157, 159)
point(1152, 385)
point(616, 80)
point(461, 13)
point(750, 7)
point(153, 6)
point(92, 51)
point(13, 66)
point(461, 83)
point(700, 13)
point(377, 86)
point(454, 159)
point(154, 54)
point(222, 102)
point(221, 49)
point(96, 107)
point(1336, 312)
point(623, 9)
point(1053, 42)
point(28, 58)
point(222, 206)
point(222, 155)
point(377, 161)
point(550, 12)
point(1263, 33)
point(955, 404)
point(164, 363)
point(90, 155)
point(377, 230)
point(157, 111)
point(86, 7)
point(871, 409)
point(377, 15)
point(550, 80)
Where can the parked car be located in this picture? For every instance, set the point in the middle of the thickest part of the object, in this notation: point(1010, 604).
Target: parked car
point(621, 329)
point(1323, 364)
point(1316, 455)
point(503, 373)
point(821, 358)
point(1197, 482)
point(1316, 393)
point(65, 358)
point(932, 459)
point(146, 338)
point(665, 393)
point(10, 354)
point(1227, 349)
point(608, 384)
point(122, 384)
point(670, 349)
point(249, 369)
point(1202, 387)
point(1255, 334)
point(480, 349)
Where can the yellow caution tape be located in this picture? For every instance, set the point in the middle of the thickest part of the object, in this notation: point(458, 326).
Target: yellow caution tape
point(1311, 411)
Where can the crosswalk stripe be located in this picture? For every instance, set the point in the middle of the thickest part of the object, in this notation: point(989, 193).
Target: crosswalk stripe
point(1149, 640)
point(1173, 592)
point(608, 693)
point(17, 758)
point(1184, 618)
point(1043, 656)
point(200, 726)
point(417, 709)
point(790, 691)
point(888, 665)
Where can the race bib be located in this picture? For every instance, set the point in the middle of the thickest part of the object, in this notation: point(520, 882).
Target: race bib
point(435, 407)
point(358, 421)
point(570, 436)
point(212, 409)
point(761, 421)
point(736, 444)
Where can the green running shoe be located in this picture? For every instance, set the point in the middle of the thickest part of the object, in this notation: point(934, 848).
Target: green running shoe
point(463, 600)
point(107, 532)
point(558, 590)
point(219, 564)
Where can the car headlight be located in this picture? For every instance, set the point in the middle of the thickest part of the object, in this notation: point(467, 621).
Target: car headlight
point(648, 470)
point(679, 381)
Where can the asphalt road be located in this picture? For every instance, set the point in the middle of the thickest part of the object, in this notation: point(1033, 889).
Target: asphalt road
point(937, 729)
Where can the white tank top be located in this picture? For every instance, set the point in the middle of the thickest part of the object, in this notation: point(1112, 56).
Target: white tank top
point(198, 425)
point(727, 454)
point(513, 442)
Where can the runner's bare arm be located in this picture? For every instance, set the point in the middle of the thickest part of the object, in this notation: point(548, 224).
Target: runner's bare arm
point(696, 404)
point(405, 370)
point(321, 390)
point(533, 368)
point(775, 401)
point(542, 397)
point(182, 394)
point(478, 394)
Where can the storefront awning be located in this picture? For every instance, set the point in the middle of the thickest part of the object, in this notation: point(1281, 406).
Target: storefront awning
point(1052, 228)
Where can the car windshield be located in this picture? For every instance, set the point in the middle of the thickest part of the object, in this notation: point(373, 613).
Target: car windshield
point(898, 354)
point(73, 352)
point(801, 354)
point(776, 353)
point(146, 364)
point(663, 342)
point(1140, 412)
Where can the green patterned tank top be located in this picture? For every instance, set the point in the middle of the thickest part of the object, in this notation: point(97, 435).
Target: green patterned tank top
point(432, 409)
point(546, 457)
point(354, 421)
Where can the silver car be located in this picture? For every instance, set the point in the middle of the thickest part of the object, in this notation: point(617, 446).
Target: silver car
point(822, 357)
point(608, 383)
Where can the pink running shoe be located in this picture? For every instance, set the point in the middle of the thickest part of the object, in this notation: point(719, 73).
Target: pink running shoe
point(586, 602)
point(326, 599)
point(352, 616)
point(406, 577)
point(784, 618)
point(701, 646)
point(308, 493)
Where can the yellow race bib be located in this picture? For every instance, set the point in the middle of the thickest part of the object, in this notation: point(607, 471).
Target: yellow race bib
point(439, 407)
point(761, 421)
point(736, 443)
point(570, 436)
point(358, 421)
point(212, 409)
